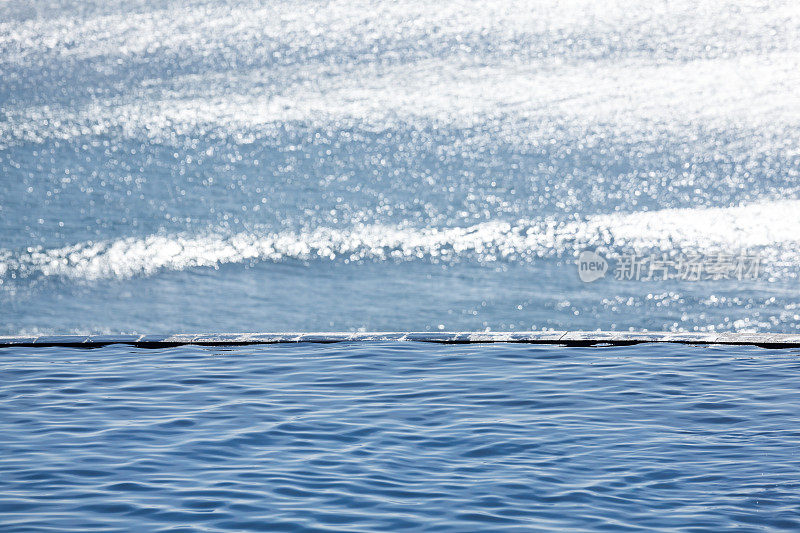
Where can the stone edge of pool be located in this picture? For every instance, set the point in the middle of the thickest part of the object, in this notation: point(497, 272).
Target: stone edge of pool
point(568, 338)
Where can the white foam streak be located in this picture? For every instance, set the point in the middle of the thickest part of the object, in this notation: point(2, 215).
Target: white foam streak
point(774, 226)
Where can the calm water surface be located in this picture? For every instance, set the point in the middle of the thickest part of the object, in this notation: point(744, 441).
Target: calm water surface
point(399, 436)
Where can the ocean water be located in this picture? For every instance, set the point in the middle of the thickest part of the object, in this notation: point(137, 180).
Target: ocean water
point(398, 437)
point(211, 166)
point(344, 165)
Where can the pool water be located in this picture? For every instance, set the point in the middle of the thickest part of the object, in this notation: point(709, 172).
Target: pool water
point(399, 436)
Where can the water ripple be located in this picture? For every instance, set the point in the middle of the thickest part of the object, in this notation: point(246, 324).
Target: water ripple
point(377, 436)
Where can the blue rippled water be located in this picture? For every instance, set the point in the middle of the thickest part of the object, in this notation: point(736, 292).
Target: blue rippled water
point(240, 166)
point(399, 436)
point(343, 165)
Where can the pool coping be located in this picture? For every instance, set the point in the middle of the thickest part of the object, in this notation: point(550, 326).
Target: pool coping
point(566, 338)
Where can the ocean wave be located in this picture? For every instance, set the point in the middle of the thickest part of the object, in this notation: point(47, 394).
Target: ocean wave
point(310, 29)
point(771, 227)
point(627, 103)
point(620, 75)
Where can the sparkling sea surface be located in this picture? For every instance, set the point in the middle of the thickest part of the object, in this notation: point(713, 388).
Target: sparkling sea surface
point(343, 165)
point(399, 436)
point(206, 166)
